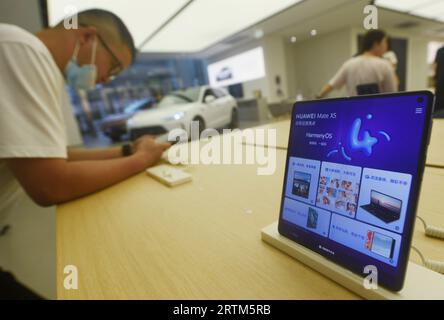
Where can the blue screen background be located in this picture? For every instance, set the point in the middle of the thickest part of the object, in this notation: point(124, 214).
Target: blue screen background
point(395, 116)
point(389, 138)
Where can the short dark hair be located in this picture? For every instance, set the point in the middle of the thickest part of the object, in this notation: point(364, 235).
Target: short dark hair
point(371, 38)
point(109, 26)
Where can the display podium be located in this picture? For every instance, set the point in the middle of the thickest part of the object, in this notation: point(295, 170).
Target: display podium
point(420, 283)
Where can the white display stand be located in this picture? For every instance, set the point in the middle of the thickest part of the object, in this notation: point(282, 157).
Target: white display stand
point(420, 283)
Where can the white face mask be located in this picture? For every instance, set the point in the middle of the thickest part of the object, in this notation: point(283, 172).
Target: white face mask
point(82, 77)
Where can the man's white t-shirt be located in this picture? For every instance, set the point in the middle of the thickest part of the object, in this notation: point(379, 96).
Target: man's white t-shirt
point(362, 70)
point(31, 118)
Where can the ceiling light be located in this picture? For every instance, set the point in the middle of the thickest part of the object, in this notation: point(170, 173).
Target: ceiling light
point(400, 5)
point(430, 9)
point(259, 33)
point(141, 17)
point(204, 23)
point(201, 24)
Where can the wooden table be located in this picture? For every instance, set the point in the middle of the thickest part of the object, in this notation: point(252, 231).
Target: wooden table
point(142, 240)
point(435, 157)
point(431, 210)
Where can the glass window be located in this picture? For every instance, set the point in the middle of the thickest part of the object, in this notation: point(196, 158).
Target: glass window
point(138, 105)
point(219, 93)
point(191, 94)
point(209, 92)
point(172, 100)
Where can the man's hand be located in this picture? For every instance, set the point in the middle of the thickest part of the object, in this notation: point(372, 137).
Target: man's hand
point(151, 151)
point(54, 181)
point(326, 90)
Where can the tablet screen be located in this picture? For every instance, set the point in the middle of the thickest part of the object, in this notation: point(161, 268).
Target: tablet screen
point(353, 174)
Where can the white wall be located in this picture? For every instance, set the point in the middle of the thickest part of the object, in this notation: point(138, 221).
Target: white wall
point(417, 67)
point(315, 61)
point(275, 65)
point(24, 13)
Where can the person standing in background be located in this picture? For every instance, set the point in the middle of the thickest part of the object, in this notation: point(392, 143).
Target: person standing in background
point(367, 72)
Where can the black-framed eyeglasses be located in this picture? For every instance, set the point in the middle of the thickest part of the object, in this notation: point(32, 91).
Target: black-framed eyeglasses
point(117, 66)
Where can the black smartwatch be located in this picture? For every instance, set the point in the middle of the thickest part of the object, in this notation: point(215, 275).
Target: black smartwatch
point(127, 150)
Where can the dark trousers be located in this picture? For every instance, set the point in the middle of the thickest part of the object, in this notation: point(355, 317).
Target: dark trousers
point(11, 289)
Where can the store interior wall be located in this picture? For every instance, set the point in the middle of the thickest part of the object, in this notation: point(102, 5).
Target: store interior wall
point(316, 61)
point(23, 13)
point(417, 67)
point(276, 68)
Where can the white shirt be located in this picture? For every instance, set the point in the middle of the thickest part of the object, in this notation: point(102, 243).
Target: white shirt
point(391, 57)
point(31, 118)
point(362, 70)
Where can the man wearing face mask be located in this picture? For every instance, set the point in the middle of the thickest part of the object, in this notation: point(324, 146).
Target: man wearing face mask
point(34, 158)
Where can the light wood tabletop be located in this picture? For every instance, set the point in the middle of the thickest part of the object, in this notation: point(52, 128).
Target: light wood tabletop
point(143, 240)
point(435, 156)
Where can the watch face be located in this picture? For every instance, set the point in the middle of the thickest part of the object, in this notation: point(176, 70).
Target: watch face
point(127, 150)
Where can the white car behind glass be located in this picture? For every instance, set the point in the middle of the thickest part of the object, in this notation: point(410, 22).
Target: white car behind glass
point(212, 108)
